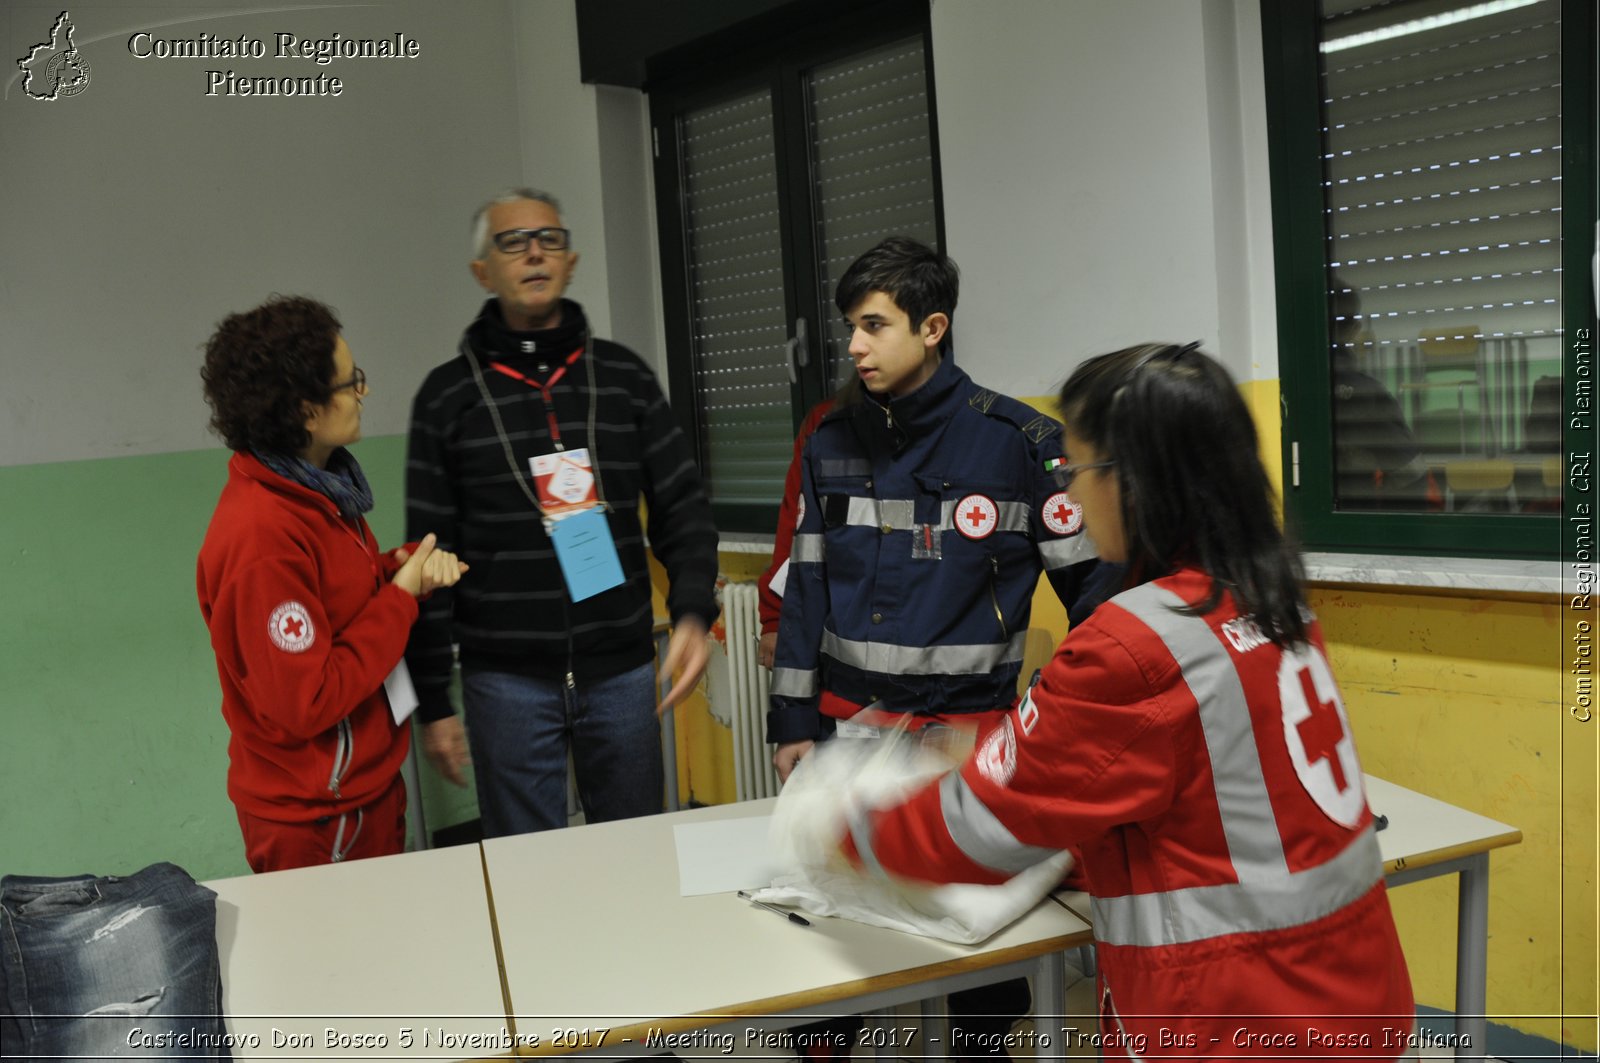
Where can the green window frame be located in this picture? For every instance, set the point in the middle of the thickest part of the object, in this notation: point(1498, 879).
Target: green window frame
point(1295, 129)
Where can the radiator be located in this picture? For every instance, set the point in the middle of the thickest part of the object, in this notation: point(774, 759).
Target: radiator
point(737, 691)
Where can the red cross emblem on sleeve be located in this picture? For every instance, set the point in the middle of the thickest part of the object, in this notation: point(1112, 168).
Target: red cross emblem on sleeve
point(977, 516)
point(1317, 733)
point(290, 628)
point(1061, 514)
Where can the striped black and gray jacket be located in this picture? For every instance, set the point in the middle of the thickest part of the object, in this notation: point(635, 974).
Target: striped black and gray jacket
point(511, 612)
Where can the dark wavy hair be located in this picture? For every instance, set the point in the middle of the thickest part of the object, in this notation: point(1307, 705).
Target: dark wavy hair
point(262, 366)
point(1194, 491)
point(919, 279)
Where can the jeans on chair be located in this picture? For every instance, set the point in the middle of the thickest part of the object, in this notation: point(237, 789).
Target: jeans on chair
point(110, 966)
point(519, 729)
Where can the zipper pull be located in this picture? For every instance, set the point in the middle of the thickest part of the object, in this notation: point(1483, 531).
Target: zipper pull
point(994, 595)
point(571, 685)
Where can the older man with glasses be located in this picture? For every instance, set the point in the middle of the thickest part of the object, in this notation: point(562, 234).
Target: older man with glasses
point(529, 453)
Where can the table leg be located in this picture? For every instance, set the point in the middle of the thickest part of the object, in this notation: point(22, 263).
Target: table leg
point(669, 757)
point(1050, 1002)
point(935, 1027)
point(1472, 959)
point(669, 729)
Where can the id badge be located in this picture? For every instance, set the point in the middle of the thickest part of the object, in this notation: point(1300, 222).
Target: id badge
point(564, 481)
point(587, 553)
point(402, 695)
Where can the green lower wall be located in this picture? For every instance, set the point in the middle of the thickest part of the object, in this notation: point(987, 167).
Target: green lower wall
point(114, 753)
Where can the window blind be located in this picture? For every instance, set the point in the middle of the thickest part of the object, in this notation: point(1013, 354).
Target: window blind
point(872, 169)
point(1442, 186)
point(738, 320)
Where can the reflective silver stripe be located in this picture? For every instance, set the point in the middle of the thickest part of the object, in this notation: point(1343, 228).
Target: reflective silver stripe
point(922, 660)
point(1014, 516)
point(828, 467)
point(1267, 895)
point(1063, 553)
point(860, 827)
point(807, 549)
point(1181, 916)
point(1248, 822)
point(900, 514)
point(978, 834)
point(1109, 1007)
point(897, 513)
point(793, 683)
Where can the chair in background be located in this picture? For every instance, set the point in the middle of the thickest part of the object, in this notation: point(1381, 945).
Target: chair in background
point(1481, 484)
point(1450, 359)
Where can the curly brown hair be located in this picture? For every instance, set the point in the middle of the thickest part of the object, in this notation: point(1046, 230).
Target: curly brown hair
point(262, 366)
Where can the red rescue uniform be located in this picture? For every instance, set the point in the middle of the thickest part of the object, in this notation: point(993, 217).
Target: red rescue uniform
point(1209, 780)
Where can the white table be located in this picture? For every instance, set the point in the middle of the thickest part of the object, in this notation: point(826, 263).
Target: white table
point(1427, 837)
point(368, 948)
point(597, 938)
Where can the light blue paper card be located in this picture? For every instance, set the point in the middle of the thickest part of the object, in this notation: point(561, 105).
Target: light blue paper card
point(587, 553)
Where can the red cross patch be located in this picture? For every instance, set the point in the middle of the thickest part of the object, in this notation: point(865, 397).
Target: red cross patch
point(291, 629)
point(977, 516)
point(1061, 514)
point(1317, 732)
point(997, 756)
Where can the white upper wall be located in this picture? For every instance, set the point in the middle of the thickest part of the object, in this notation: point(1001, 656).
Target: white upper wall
point(1096, 185)
point(137, 213)
point(589, 146)
point(1104, 183)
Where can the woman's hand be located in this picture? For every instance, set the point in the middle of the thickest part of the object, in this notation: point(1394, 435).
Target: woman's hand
point(428, 569)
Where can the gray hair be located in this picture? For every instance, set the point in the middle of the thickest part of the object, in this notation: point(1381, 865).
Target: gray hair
point(480, 217)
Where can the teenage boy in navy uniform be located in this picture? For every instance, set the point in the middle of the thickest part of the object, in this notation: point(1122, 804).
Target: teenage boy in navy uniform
point(928, 510)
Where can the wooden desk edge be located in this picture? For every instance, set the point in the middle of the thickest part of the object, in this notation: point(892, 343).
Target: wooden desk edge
point(1512, 836)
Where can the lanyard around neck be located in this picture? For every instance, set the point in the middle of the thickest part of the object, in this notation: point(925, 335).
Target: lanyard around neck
point(505, 441)
point(544, 390)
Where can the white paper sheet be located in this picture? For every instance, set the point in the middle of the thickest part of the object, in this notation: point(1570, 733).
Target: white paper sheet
point(780, 579)
point(402, 695)
point(722, 855)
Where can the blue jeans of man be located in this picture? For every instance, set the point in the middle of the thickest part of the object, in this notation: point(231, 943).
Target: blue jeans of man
point(519, 729)
point(123, 966)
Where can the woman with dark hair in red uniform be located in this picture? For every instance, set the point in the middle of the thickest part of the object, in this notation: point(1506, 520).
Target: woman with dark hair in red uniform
point(1189, 741)
point(307, 616)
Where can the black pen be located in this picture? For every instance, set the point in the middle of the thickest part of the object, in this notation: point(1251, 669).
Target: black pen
point(793, 917)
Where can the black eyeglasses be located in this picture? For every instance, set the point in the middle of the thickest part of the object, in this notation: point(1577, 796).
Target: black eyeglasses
point(1065, 474)
point(358, 380)
point(516, 241)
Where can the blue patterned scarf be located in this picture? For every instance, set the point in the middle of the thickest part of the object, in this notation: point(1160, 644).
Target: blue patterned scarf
point(342, 481)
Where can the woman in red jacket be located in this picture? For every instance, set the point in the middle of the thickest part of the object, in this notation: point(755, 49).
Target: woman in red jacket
point(1189, 741)
point(307, 617)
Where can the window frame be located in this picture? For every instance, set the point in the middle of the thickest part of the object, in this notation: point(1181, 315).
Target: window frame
point(780, 66)
point(1294, 120)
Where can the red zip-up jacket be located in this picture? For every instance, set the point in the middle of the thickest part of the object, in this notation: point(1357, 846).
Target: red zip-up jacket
point(1210, 781)
point(771, 600)
point(305, 624)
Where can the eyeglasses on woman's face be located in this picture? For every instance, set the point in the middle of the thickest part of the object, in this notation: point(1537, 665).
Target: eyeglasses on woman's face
point(357, 381)
point(1065, 474)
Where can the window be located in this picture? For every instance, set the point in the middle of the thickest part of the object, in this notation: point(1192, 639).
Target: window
point(770, 182)
point(1433, 200)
